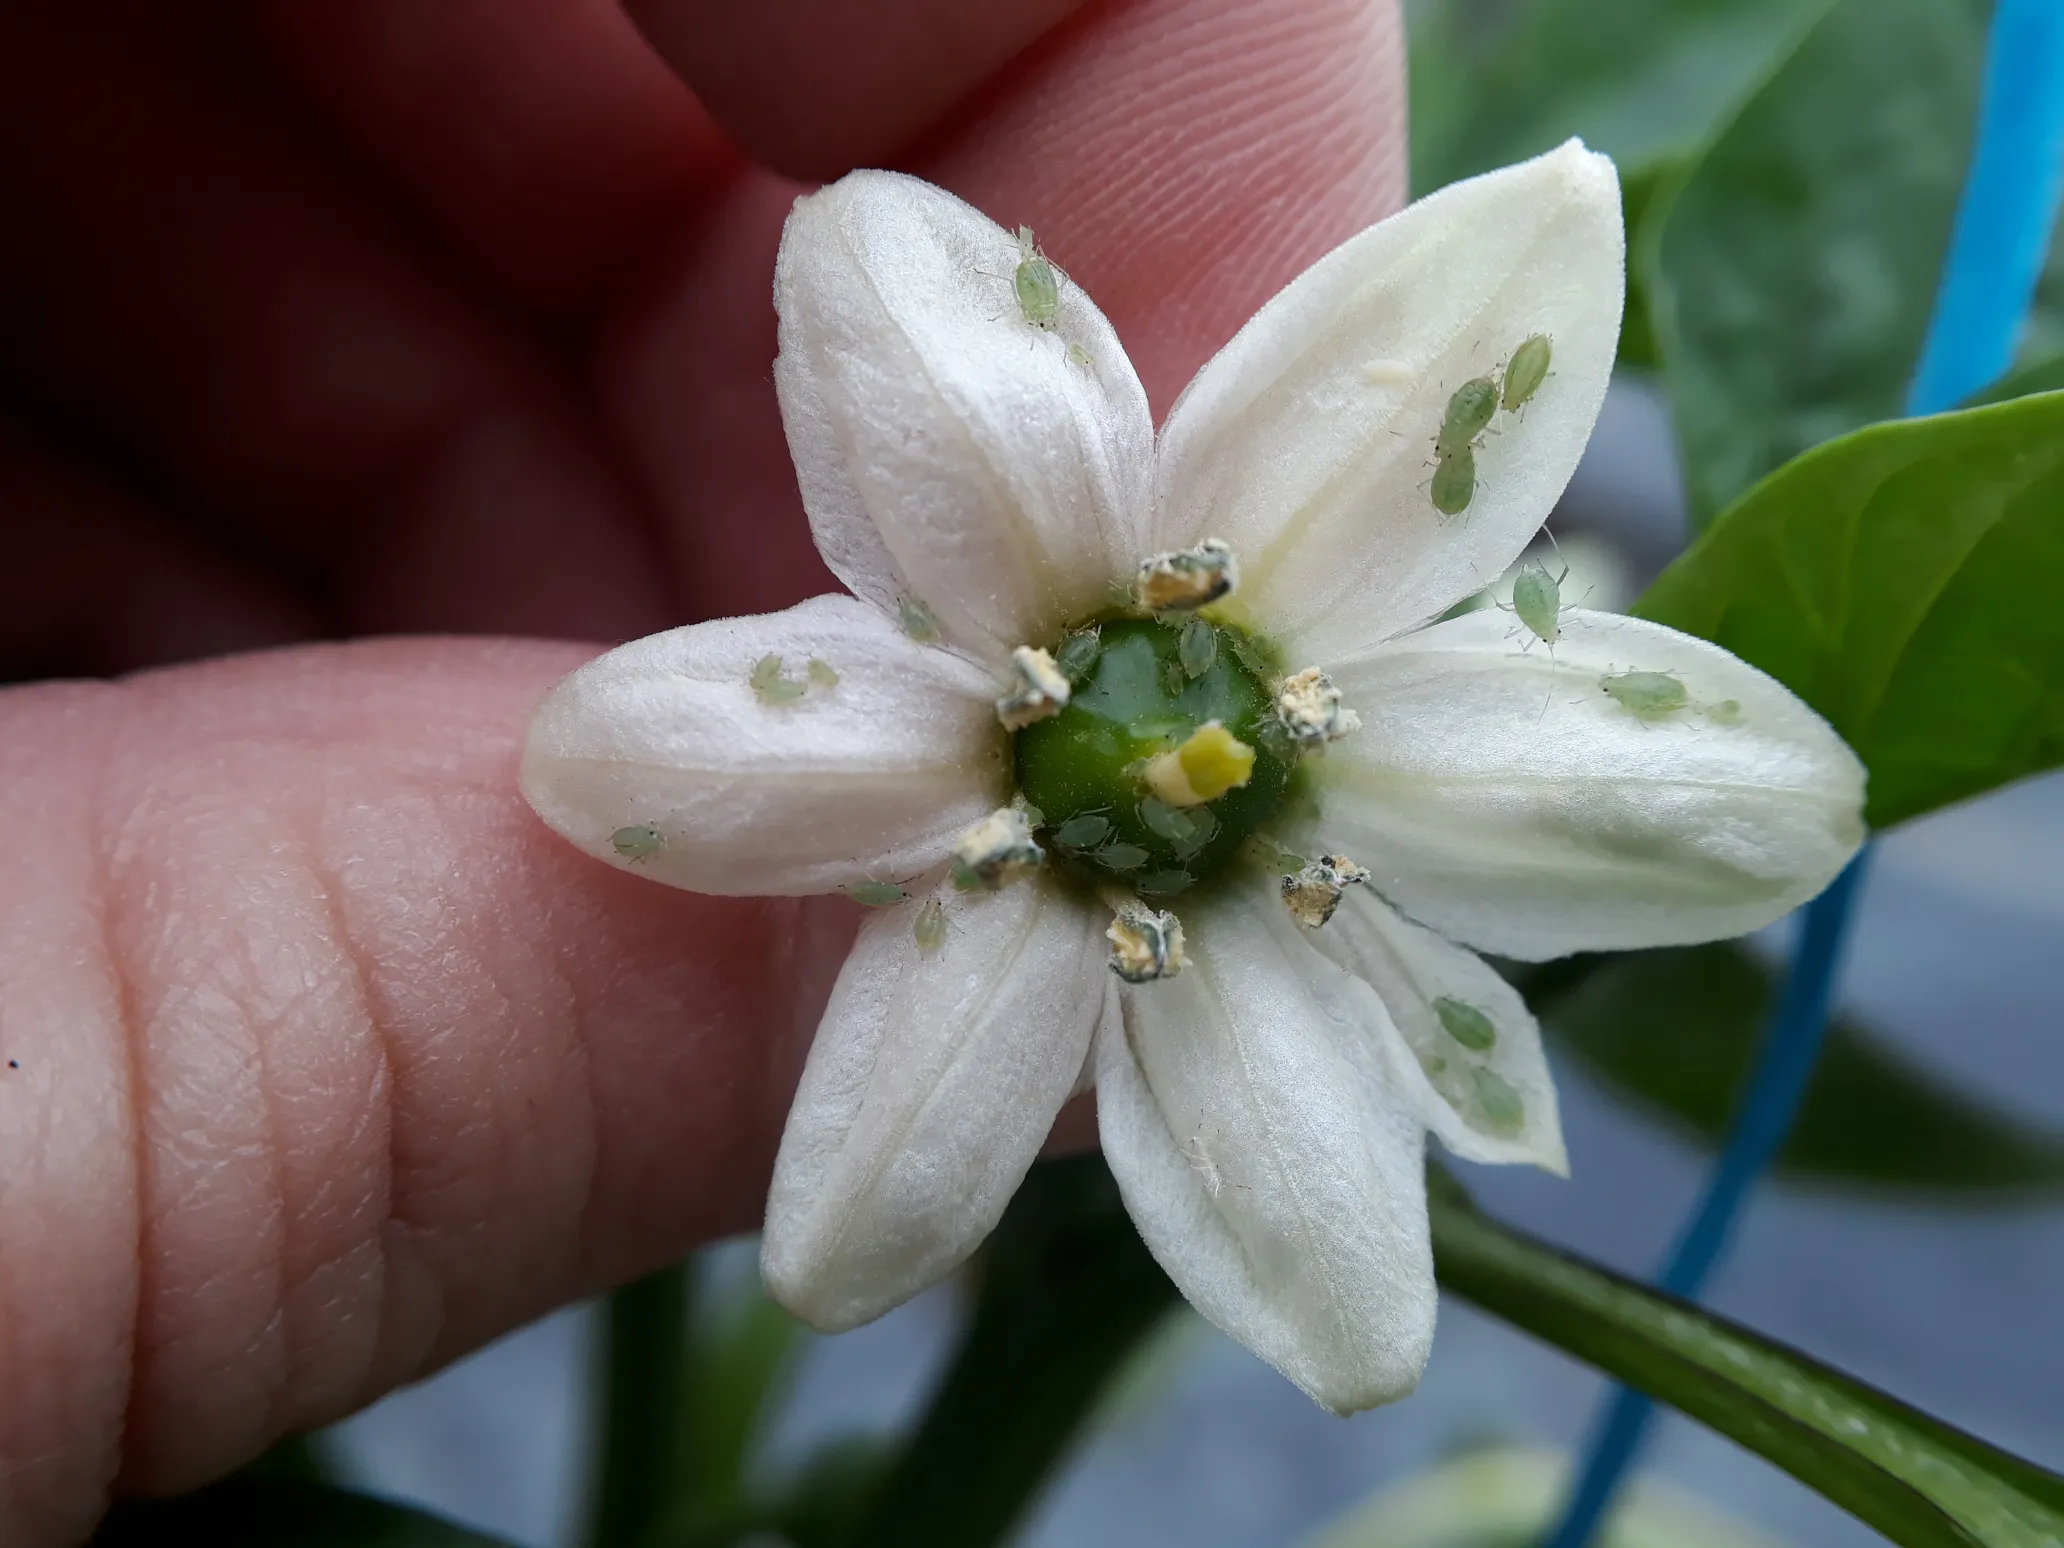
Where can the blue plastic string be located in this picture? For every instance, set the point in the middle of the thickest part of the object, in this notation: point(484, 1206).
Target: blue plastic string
point(2003, 224)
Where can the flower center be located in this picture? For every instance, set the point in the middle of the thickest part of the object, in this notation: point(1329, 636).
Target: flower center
point(1145, 777)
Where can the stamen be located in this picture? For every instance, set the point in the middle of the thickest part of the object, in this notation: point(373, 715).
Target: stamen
point(1204, 768)
point(1309, 708)
point(1313, 893)
point(1146, 943)
point(1041, 689)
point(1186, 580)
point(996, 851)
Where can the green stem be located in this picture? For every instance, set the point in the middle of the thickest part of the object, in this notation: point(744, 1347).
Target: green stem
point(641, 1407)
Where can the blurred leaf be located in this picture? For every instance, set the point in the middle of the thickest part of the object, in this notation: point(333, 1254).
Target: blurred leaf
point(256, 1511)
point(1640, 80)
point(1795, 270)
point(2045, 333)
point(641, 1397)
point(1642, 194)
point(1507, 1497)
point(1905, 581)
point(1677, 1030)
point(1067, 1292)
point(306, 1457)
point(2044, 374)
point(742, 1355)
point(1916, 1480)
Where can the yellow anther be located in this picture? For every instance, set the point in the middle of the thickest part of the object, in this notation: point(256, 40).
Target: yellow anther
point(1204, 768)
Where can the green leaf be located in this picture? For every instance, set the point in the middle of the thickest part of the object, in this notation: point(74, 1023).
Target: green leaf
point(1640, 80)
point(1916, 1480)
point(741, 1359)
point(1795, 270)
point(1905, 581)
point(1677, 1031)
point(1067, 1294)
point(1643, 195)
point(260, 1511)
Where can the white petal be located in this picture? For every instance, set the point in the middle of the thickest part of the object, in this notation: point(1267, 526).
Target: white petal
point(1486, 1104)
point(1274, 1168)
point(1501, 797)
point(931, 1085)
point(947, 449)
point(1307, 442)
point(870, 779)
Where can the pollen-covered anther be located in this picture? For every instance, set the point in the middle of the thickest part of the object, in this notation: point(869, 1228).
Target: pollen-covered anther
point(1313, 893)
point(1188, 579)
point(1207, 765)
point(1309, 708)
point(1146, 943)
point(1039, 688)
point(996, 851)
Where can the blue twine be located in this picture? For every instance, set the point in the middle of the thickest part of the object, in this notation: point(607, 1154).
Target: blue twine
point(2003, 224)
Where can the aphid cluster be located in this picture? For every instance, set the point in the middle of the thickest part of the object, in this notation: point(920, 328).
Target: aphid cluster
point(770, 685)
point(1502, 1107)
point(1468, 416)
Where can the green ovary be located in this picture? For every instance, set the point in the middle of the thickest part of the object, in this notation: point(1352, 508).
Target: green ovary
point(1133, 700)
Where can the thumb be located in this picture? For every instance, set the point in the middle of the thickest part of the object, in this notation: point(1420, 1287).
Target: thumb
point(322, 1061)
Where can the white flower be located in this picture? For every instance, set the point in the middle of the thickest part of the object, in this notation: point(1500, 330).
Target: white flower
point(988, 481)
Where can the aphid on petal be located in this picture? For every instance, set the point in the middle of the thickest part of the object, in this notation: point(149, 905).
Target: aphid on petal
point(1466, 1024)
point(929, 929)
point(1728, 712)
point(876, 894)
point(1469, 410)
point(821, 674)
point(919, 621)
point(770, 686)
point(639, 842)
point(1454, 482)
point(1502, 1106)
point(1537, 599)
point(1035, 283)
point(1646, 695)
point(1525, 372)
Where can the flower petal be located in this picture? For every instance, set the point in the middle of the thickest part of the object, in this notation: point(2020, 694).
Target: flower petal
point(948, 450)
point(1251, 1115)
point(1307, 442)
point(870, 778)
point(929, 1090)
point(1505, 799)
point(1483, 1083)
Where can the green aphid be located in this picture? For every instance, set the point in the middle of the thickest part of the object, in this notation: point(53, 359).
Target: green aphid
point(1083, 832)
point(929, 930)
point(821, 674)
point(876, 894)
point(1079, 356)
point(1728, 712)
point(1466, 1024)
point(1203, 829)
point(919, 621)
point(1525, 372)
point(1646, 695)
point(1502, 1108)
point(640, 842)
point(1165, 883)
point(1037, 286)
point(1197, 647)
point(1121, 857)
point(1170, 822)
point(1078, 654)
point(1173, 678)
point(1537, 599)
point(1454, 482)
point(1470, 408)
point(770, 686)
point(966, 878)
